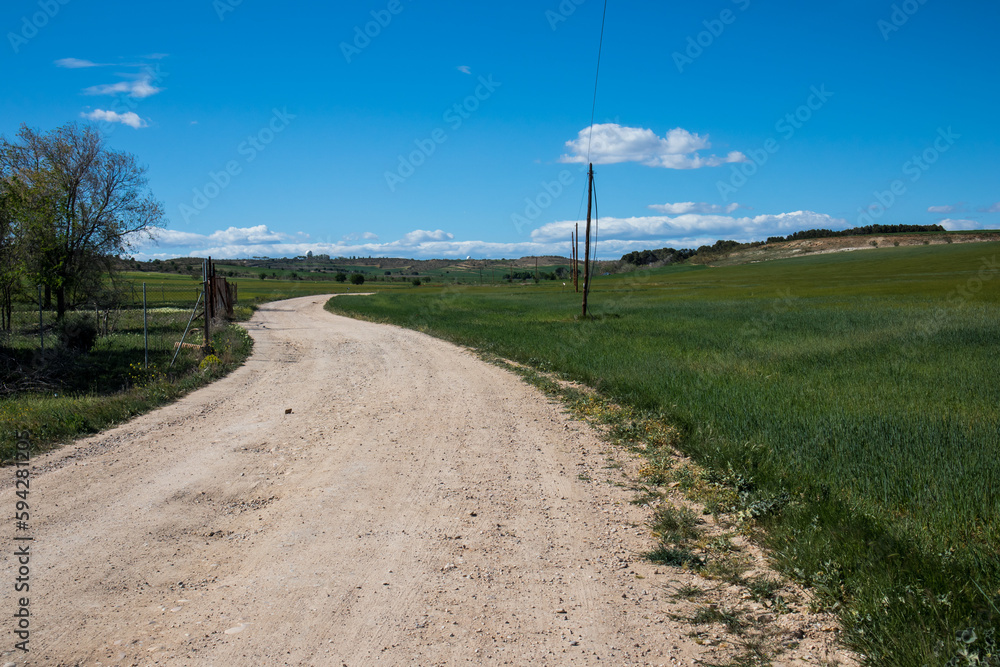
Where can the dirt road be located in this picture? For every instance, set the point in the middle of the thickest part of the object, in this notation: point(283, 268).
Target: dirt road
point(417, 507)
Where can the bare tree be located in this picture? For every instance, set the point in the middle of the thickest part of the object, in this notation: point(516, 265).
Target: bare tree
point(78, 203)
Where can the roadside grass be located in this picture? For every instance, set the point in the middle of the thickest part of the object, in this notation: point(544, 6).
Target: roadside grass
point(842, 408)
point(110, 385)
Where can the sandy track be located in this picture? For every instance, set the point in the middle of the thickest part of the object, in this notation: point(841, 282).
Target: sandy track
point(418, 507)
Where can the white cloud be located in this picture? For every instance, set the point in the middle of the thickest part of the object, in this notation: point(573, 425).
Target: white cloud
point(242, 236)
point(465, 69)
point(993, 209)
point(617, 236)
point(420, 236)
point(960, 225)
point(129, 118)
point(692, 207)
point(257, 234)
point(262, 241)
point(947, 210)
point(652, 228)
point(139, 88)
point(75, 63)
point(612, 144)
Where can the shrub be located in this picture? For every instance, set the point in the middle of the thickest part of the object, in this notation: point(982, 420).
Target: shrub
point(357, 279)
point(416, 282)
point(340, 277)
point(674, 525)
point(231, 343)
point(675, 557)
point(78, 332)
point(210, 363)
point(244, 313)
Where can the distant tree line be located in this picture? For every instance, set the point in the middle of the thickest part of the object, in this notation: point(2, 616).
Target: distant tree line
point(662, 256)
point(868, 230)
point(560, 273)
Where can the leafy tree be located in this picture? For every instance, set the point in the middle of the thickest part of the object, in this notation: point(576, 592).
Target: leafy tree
point(77, 203)
point(340, 277)
point(357, 279)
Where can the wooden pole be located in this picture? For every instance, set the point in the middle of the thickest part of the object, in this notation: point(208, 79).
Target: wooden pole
point(572, 274)
point(586, 252)
point(576, 259)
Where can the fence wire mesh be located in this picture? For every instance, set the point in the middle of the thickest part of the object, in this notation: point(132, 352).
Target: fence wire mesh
point(122, 331)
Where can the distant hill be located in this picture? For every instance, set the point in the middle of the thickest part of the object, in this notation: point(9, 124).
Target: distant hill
point(724, 253)
point(799, 247)
point(323, 267)
point(389, 269)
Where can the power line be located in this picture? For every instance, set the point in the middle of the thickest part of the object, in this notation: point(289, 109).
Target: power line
point(597, 78)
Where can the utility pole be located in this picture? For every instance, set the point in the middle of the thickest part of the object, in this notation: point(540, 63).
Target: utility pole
point(586, 255)
point(576, 259)
point(572, 257)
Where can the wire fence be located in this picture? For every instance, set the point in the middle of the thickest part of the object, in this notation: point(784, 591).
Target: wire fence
point(138, 326)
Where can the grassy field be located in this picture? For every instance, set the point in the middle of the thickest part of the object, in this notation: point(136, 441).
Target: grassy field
point(849, 401)
point(251, 291)
point(61, 393)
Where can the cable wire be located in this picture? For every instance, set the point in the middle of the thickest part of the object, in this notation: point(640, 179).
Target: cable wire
point(597, 78)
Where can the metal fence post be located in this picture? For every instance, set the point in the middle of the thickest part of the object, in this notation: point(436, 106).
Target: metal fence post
point(209, 302)
point(145, 326)
point(41, 323)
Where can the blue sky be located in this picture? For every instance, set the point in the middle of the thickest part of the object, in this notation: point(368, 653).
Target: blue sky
point(453, 129)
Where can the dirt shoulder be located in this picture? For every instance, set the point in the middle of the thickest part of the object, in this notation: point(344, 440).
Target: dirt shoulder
point(417, 506)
